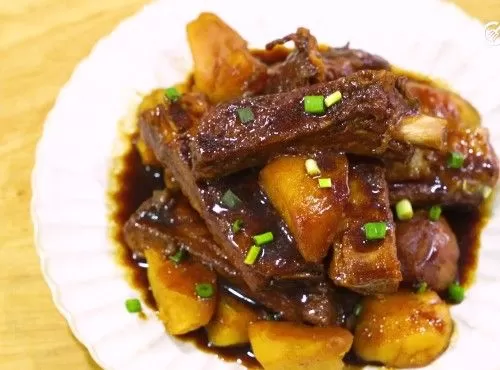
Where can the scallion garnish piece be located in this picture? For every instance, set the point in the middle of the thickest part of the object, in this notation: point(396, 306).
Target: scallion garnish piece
point(434, 213)
point(204, 290)
point(172, 93)
point(357, 309)
point(230, 200)
point(421, 287)
point(236, 226)
point(487, 192)
point(245, 115)
point(178, 256)
point(404, 210)
point(133, 305)
point(325, 182)
point(314, 104)
point(455, 160)
point(264, 238)
point(456, 293)
point(312, 168)
point(252, 255)
point(333, 98)
point(375, 230)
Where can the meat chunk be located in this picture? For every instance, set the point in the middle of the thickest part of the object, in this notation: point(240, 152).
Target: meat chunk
point(310, 63)
point(344, 61)
point(224, 68)
point(303, 66)
point(279, 260)
point(428, 251)
point(312, 213)
point(366, 266)
point(370, 120)
point(166, 222)
point(426, 178)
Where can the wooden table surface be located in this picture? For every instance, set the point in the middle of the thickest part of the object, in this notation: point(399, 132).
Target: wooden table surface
point(40, 43)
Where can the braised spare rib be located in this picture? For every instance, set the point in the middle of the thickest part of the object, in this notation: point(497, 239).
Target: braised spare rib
point(375, 117)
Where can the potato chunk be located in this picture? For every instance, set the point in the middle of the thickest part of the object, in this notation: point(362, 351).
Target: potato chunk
point(291, 346)
point(404, 329)
point(224, 68)
point(229, 327)
point(174, 288)
point(313, 214)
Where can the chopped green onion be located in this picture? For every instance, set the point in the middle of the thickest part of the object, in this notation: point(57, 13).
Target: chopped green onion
point(133, 305)
point(314, 104)
point(204, 290)
point(263, 238)
point(456, 293)
point(236, 226)
point(375, 230)
point(487, 192)
point(230, 200)
point(312, 168)
point(357, 309)
point(455, 160)
point(246, 115)
point(421, 287)
point(325, 182)
point(435, 213)
point(178, 256)
point(252, 255)
point(172, 94)
point(333, 98)
point(404, 210)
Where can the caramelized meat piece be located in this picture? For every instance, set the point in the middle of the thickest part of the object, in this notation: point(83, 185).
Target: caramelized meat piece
point(167, 222)
point(312, 214)
point(427, 178)
point(371, 119)
point(279, 260)
point(224, 68)
point(309, 63)
point(366, 266)
point(341, 62)
point(428, 251)
point(303, 66)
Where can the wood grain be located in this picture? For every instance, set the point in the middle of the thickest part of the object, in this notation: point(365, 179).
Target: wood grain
point(40, 43)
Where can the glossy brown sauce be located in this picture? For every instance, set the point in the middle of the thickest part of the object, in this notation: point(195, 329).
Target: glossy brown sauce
point(137, 182)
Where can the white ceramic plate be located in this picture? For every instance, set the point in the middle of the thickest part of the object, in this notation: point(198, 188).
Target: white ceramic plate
point(74, 157)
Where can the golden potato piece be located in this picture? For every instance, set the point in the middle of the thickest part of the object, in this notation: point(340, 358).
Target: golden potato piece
point(404, 329)
point(229, 327)
point(291, 346)
point(174, 288)
point(313, 214)
point(223, 66)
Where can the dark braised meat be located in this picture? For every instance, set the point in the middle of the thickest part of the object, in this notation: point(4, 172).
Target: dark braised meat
point(427, 177)
point(303, 66)
point(375, 117)
point(428, 251)
point(167, 222)
point(366, 266)
point(341, 62)
point(165, 129)
point(309, 63)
